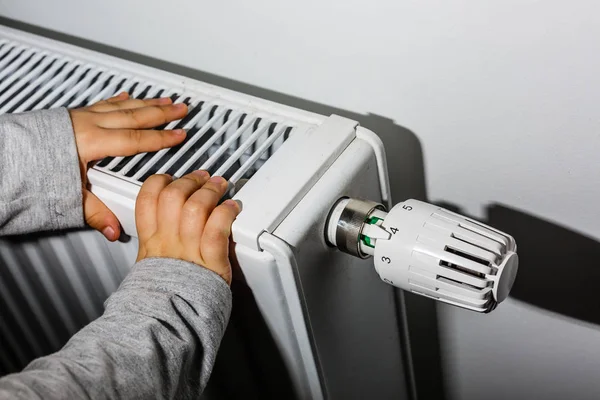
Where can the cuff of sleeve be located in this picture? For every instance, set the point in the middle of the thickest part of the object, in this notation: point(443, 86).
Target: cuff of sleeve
point(199, 286)
point(61, 175)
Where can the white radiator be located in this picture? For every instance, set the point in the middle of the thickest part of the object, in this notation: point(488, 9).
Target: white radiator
point(300, 177)
point(53, 284)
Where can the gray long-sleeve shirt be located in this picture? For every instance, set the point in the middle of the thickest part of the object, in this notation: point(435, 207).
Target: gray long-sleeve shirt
point(160, 331)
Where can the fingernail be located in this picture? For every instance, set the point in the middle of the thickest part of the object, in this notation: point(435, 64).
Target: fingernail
point(234, 204)
point(179, 132)
point(219, 180)
point(201, 173)
point(180, 106)
point(239, 205)
point(165, 100)
point(108, 232)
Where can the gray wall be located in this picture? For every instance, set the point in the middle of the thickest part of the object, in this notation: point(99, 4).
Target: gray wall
point(502, 98)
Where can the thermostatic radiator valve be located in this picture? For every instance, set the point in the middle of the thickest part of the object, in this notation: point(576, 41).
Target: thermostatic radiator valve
point(428, 250)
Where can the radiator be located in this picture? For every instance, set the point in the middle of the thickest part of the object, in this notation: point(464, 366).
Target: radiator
point(323, 321)
point(53, 284)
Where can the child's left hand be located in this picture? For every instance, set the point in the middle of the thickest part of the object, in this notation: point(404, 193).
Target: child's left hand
point(115, 127)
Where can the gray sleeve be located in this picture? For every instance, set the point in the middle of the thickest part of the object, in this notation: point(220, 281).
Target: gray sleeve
point(157, 338)
point(40, 181)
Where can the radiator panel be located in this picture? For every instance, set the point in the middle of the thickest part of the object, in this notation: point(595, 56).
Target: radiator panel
point(51, 286)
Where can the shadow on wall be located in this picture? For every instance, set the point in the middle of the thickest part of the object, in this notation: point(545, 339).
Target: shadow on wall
point(405, 160)
point(559, 269)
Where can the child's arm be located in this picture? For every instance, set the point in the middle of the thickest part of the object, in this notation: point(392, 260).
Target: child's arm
point(39, 175)
point(161, 330)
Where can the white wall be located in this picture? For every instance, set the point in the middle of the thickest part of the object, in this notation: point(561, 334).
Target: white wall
point(504, 97)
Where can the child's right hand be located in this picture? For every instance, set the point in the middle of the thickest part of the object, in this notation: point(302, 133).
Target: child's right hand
point(180, 219)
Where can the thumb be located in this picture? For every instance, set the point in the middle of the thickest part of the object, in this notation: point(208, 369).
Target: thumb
point(99, 217)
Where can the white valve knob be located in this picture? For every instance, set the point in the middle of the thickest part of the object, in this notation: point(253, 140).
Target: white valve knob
point(431, 251)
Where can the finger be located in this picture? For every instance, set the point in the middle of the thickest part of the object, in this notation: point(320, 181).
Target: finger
point(174, 196)
point(214, 245)
point(130, 104)
point(146, 205)
point(120, 97)
point(126, 142)
point(198, 208)
point(99, 217)
point(140, 118)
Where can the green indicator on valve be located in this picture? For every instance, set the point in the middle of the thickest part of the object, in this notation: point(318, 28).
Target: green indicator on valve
point(373, 220)
point(366, 240)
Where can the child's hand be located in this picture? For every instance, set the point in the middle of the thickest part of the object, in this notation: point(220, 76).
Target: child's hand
point(180, 219)
point(120, 127)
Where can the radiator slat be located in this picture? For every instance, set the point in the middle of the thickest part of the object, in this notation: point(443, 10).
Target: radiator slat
point(6, 47)
point(30, 336)
point(13, 346)
point(30, 296)
point(82, 84)
point(226, 145)
point(23, 70)
point(93, 89)
point(91, 251)
point(46, 102)
point(64, 253)
point(24, 88)
point(242, 149)
point(204, 149)
point(253, 158)
point(189, 142)
point(16, 69)
point(44, 88)
point(13, 54)
point(154, 165)
point(48, 281)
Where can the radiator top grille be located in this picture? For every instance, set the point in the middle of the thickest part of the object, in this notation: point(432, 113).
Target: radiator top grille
point(226, 139)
